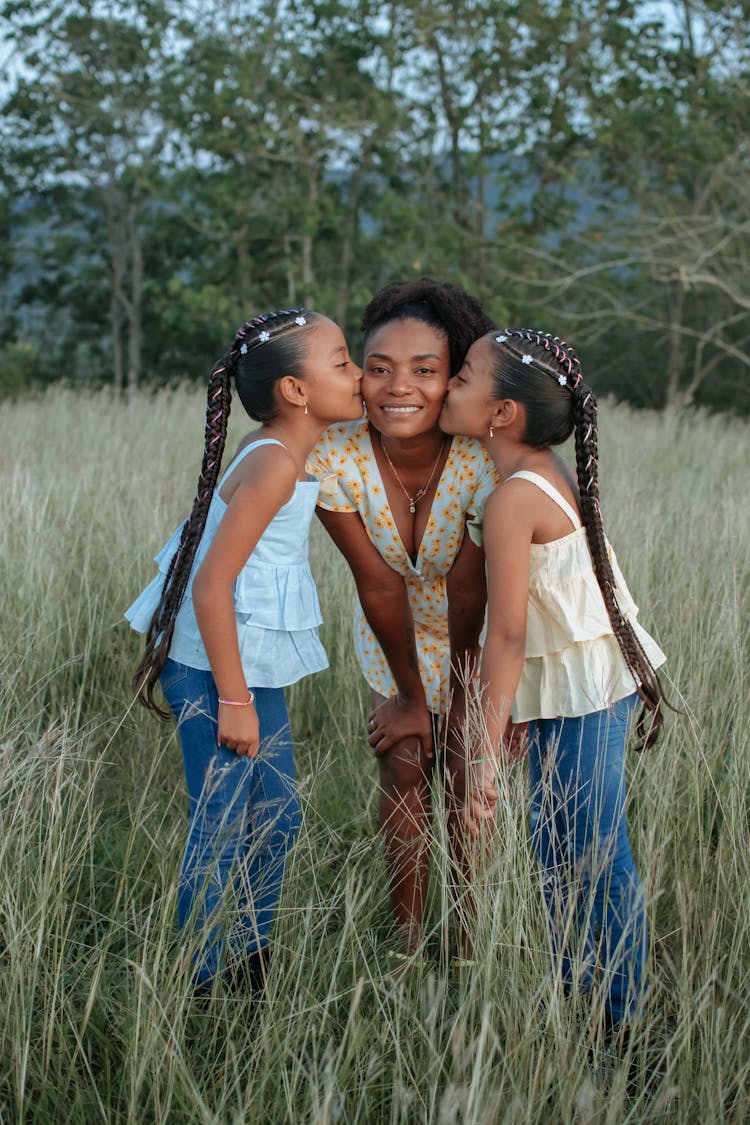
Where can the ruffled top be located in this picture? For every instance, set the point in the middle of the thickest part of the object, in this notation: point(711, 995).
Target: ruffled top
point(573, 665)
point(275, 599)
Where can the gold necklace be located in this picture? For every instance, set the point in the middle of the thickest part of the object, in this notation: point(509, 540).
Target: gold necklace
point(413, 500)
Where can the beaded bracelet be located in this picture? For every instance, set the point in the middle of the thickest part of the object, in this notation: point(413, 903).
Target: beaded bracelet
point(232, 703)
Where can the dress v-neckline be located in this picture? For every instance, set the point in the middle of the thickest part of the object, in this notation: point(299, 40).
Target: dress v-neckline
point(415, 561)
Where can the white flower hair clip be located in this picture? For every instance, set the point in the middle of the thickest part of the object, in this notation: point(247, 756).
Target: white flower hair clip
point(526, 358)
point(264, 337)
point(562, 380)
point(300, 320)
point(243, 349)
point(501, 339)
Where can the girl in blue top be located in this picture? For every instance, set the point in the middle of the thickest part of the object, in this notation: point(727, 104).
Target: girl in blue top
point(564, 648)
point(232, 618)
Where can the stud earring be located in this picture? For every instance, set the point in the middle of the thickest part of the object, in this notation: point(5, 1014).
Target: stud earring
point(305, 408)
point(492, 432)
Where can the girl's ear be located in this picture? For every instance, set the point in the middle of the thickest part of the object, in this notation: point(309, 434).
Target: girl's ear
point(292, 390)
point(505, 414)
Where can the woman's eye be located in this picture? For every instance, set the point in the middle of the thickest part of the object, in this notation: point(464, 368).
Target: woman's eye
point(376, 370)
point(425, 371)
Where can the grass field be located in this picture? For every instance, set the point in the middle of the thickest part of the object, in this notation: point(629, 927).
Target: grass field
point(97, 1022)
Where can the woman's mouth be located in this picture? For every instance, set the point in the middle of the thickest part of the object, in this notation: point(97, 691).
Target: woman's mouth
point(400, 409)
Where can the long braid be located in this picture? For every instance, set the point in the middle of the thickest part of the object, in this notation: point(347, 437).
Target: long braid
point(161, 629)
point(587, 470)
point(557, 359)
point(218, 404)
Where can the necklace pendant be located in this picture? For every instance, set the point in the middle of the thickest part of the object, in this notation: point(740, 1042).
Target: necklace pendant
point(412, 507)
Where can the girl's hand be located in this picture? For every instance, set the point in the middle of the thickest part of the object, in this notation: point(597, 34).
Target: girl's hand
point(516, 741)
point(239, 729)
point(399, 718)
point(481, 796)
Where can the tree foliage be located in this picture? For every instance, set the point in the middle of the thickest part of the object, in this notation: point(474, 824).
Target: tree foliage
point(168, 167)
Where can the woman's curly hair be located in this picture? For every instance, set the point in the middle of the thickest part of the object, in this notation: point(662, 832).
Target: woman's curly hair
point(446, 307)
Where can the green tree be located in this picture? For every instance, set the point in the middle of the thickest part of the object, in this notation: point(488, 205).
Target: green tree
point(80, 127)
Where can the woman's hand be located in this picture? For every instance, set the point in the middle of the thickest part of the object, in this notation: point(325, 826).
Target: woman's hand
point(399, 718)
point(239, 729)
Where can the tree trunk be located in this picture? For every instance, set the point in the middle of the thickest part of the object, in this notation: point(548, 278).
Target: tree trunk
point(291, 284)
point(245, 284)
point(114, 316)
point(308, 277)
point(136, 301)
point(674, 354)
point(347, 240)
point(117, 302)
point(455, 123)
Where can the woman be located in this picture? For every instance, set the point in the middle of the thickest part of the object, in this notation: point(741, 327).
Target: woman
point(403, 496)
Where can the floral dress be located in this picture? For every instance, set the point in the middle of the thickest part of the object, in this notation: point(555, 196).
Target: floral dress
point(350, 478)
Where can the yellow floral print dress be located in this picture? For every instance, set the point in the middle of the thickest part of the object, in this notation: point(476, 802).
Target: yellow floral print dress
point(350, 478)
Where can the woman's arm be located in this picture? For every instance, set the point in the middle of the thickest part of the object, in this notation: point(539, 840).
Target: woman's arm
point(466, 589)
point(385, 603)
point(266, 481)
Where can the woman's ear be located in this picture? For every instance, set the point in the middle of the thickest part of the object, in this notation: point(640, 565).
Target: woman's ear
point(292, 390)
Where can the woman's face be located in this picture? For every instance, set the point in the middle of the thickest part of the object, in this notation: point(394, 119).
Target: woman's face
point(469, 405)
point(404, 377)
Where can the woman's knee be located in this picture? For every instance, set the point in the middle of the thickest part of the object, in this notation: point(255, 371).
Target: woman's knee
point(405, 767)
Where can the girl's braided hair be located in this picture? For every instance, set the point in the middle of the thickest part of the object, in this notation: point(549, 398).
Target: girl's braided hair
point(544, 373)
point(263, 350)
point(446, 307)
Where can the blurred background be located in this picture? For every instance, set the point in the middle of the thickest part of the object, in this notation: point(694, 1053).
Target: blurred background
point(168, 169)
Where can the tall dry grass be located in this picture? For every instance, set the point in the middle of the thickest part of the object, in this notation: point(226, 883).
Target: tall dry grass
point(97, 1020)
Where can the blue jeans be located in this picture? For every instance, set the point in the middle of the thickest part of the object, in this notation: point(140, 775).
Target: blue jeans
point(244, 817)
point(595, 903)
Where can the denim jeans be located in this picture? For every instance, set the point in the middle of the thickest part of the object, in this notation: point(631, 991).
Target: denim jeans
point(244, 817)
point(595, 903)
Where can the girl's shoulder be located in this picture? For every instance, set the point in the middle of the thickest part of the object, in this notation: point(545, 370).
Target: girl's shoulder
point(509, 503)
point(253, 441)
point(255, 460)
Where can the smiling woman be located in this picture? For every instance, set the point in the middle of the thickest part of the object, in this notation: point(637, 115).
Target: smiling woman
point(403, 495)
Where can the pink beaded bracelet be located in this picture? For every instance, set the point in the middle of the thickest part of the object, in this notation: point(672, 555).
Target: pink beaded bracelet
point(232, 703)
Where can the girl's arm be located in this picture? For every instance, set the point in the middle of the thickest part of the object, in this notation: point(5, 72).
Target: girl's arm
point(508, 532)
point(266, 481)
point(385, 604)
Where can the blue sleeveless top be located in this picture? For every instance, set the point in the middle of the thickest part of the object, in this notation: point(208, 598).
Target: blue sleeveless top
point(275, 600)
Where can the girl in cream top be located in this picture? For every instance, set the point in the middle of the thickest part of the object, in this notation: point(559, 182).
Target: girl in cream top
point(573, 663)
point(565, 650)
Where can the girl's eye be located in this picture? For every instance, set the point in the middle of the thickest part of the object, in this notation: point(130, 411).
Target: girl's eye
point(344, 364)
point(460, 379)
